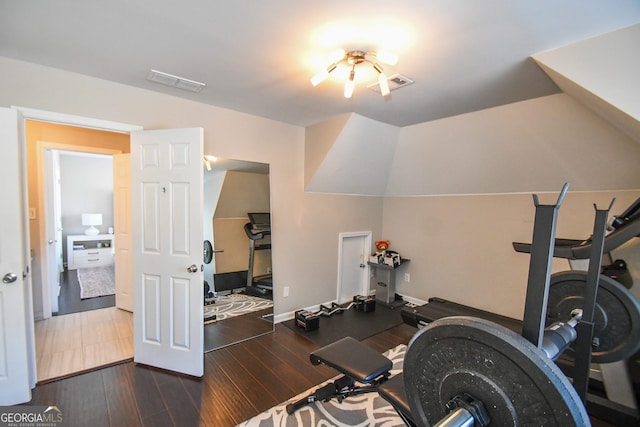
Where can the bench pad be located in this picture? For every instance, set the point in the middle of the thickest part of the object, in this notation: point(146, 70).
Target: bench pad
point(353, 359)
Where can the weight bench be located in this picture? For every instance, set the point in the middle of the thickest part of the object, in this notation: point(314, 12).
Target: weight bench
point(460, 370)
point(359, 363)
point(362, 369)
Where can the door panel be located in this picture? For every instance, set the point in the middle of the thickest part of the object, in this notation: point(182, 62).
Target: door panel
point(53, 225)
point(179, 315)
point(122, 230)
point(14, 356)
point(353, 268)
point(166, 178)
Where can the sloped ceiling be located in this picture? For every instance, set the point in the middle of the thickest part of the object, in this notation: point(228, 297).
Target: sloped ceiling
point(355, 160)
point(257, 57)
point(603, 73)
point(527, 146)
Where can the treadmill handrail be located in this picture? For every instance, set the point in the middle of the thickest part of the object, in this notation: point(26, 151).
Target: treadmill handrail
point(581, 249)
point(255, 235)
point(630, 214)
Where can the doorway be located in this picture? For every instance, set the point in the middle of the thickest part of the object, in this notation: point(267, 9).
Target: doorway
point(353, 270)
point(84, 184)
point(70, 173)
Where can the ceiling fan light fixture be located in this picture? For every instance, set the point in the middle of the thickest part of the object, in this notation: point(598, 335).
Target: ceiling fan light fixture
point(350, 84)
point(384, 84)
point(337, 55)
point(353, 58)
point(323, 74)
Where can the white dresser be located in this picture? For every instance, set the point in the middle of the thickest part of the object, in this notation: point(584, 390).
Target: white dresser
point(89, 251)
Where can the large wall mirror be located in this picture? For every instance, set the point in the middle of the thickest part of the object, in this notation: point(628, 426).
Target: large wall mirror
point(238, 297)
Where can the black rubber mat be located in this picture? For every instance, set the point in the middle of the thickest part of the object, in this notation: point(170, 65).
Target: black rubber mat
point(350, 323)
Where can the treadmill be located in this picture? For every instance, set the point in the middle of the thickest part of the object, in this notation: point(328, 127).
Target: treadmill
point(258, 229)
point(622, 228)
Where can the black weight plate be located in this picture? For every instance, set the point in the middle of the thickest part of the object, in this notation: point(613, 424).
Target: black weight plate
point(517, 383)
point(616, 315)
point(208, 252)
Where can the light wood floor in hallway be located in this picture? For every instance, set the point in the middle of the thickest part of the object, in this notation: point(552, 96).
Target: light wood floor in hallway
point(80, 341)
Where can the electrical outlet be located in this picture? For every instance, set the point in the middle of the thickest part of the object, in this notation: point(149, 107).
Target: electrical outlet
point(285, 291)
point(407, 277)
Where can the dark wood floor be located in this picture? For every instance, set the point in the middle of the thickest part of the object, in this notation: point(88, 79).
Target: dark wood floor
point(240, 381)
point(69, 299)
point(236, 329)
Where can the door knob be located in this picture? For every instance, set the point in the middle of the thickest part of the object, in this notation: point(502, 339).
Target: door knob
point(192, 268)
point(9, 278)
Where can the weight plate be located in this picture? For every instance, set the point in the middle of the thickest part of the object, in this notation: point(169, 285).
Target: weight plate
point(616, 315)
point(517, 383)
point(208, 252)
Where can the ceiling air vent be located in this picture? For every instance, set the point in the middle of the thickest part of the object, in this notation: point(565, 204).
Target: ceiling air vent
point(396, 81)
point(174, 81)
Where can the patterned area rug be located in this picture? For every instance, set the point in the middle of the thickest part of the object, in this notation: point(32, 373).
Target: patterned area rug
point(232, 305)
point(364, 410)
point(96, 281)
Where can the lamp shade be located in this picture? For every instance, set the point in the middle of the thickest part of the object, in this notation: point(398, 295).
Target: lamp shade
point(91, 219)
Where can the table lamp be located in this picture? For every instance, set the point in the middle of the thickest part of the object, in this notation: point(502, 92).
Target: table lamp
point(91, 219)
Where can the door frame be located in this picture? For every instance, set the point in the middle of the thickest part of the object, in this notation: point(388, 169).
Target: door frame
point(63, 119)
point(46, 201)
point(366, 283)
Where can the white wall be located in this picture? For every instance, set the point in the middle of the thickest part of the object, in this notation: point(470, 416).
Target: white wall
point(211, 192)
point(357, 160)
point(305, 226)
point(534, 145)
point(243, 192)
point(86, 187)
point(459, 246)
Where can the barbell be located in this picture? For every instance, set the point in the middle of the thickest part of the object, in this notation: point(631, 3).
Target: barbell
point(461, 371)
point(616, 334)
point(466, 371)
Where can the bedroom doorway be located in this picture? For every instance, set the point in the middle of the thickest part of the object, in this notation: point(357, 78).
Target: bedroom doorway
point(79, 193)
point(71, 174)
point(85, 184)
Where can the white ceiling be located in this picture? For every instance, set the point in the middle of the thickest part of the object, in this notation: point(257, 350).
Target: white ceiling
point(257, 56)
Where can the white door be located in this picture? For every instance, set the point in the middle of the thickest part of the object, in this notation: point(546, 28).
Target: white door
point(353, 270)
point(14, 360)
point(167, 206)
point(57, 214)
point(122, 230)
point(53, 224)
